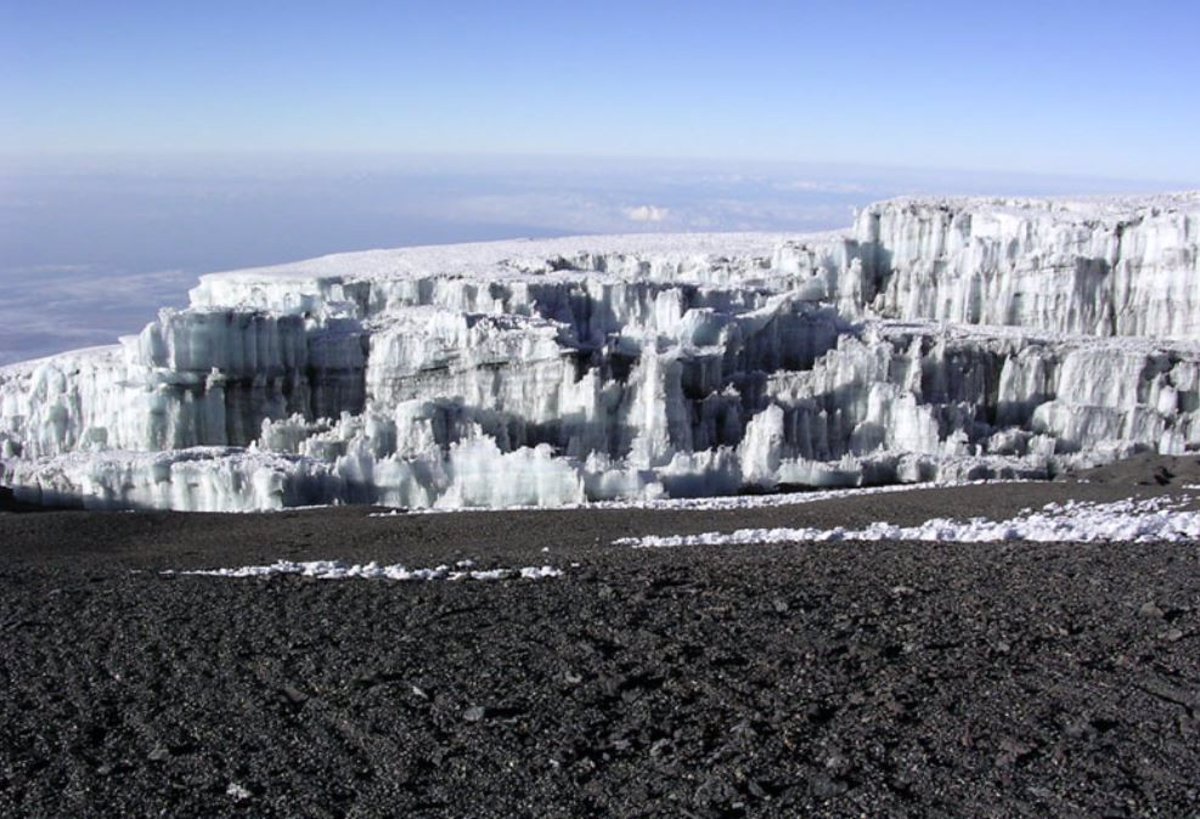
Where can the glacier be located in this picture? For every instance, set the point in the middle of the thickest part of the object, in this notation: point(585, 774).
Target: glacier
point(933, 340)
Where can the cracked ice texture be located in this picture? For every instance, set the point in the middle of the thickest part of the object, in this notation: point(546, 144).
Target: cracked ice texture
point(936, 340)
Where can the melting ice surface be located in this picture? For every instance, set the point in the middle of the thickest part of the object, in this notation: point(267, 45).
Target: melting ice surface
point(1128, 521)
point(935, 340)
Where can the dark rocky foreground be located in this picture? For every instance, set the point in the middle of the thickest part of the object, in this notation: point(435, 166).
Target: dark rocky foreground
point(833, 679)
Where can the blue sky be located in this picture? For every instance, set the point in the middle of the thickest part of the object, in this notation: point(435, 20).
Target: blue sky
point(1096, 89)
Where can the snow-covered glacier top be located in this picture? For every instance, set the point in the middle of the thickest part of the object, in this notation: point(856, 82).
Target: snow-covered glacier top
point(934, 339)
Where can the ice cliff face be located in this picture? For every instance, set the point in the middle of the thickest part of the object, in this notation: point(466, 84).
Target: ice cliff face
point(937, 340)
point(1120, 267)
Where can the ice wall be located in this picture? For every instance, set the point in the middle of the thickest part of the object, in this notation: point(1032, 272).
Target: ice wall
point(1119, 267)
point(938, 339)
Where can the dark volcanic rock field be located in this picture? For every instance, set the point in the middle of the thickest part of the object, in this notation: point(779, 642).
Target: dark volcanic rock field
point(831, 679)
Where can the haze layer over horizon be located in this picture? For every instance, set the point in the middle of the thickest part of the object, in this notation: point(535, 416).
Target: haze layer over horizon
point(92, 246)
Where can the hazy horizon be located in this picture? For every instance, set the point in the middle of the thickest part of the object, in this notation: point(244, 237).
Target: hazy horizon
point(91, 246)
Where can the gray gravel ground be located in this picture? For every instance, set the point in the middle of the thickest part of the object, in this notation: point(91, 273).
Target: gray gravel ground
point(828, 679)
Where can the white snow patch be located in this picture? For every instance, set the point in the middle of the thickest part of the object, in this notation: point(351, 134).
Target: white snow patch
point(238, 792)
point(339, 570)
point(1129, 520)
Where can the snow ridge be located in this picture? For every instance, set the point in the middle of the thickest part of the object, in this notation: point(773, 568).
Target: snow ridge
point(339, 570)
point(1127, 521)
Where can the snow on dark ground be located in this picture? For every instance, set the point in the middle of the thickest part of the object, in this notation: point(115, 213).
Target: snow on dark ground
point(833, 678)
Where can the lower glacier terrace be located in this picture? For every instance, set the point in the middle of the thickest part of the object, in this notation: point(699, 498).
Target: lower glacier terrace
point(297, 462)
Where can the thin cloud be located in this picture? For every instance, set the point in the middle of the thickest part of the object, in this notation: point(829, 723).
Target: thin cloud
point(647, 213)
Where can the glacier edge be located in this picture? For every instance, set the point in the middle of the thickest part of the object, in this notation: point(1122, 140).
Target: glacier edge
point(934, 340)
